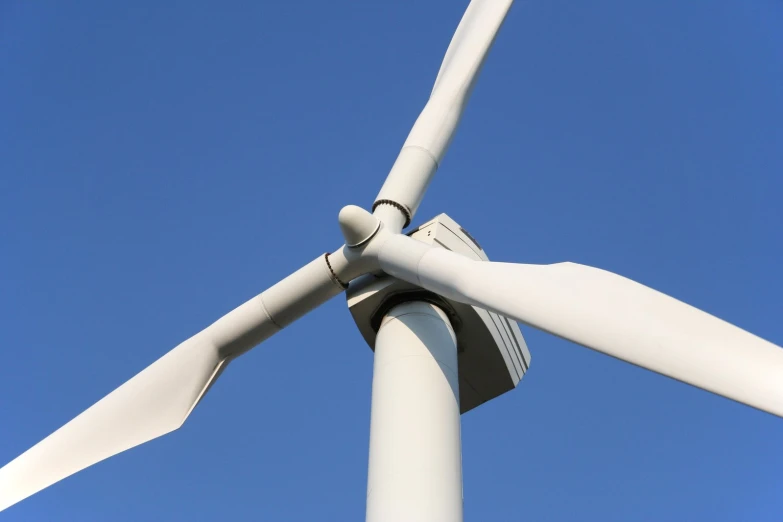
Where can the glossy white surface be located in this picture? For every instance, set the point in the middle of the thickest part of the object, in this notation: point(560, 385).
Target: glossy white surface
point(605, 312)
point(160, 398)
point(415, 468)
point(435, 127)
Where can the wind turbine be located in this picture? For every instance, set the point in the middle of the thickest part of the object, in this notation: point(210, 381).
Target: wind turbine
point(588, 306)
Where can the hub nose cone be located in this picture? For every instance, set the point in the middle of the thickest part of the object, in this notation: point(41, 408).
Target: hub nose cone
point(358, 225)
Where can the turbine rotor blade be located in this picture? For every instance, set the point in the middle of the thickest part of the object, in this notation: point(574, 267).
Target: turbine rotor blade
point(430, 136)
point(151, 404)
point(160, 398)
point(605, 312)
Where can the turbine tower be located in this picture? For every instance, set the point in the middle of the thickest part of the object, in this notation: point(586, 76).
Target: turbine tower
point(441, 319)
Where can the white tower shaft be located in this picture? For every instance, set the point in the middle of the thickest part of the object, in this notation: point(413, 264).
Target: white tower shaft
point(415, 470)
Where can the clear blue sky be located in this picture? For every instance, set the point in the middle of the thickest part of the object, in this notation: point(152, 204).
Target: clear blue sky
point(160, 163)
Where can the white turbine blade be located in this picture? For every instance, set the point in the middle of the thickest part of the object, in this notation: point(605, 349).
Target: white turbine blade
point(457, 76)
point(160, 398)
point(608, 313)
point(153, 403)
point(431, 134)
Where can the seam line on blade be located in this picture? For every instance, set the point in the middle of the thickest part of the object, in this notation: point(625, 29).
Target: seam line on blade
point(418, 275)
point(263, 307)
point(427, 151)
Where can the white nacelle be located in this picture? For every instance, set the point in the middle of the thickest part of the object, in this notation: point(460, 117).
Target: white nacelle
point(492, 354)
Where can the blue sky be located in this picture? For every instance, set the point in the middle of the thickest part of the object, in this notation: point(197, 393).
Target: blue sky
point(160, 163)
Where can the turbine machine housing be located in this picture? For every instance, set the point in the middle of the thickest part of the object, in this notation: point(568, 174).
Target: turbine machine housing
point(492, 355)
